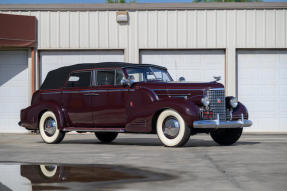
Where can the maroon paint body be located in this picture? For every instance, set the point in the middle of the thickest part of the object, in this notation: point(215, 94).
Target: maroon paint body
point(130, 108)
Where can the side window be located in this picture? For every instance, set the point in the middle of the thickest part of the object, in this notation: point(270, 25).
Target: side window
point(79, 79)
point(119, 76)
point(105, 77)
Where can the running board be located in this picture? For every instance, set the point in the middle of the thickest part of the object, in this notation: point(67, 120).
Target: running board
point(118, 130)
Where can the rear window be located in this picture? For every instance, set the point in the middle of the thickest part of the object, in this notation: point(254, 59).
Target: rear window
point(105, 77)
point(79, 79)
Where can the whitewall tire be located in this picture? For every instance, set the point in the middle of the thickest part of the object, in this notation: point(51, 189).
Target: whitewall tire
point(48, 171)
point(48, 127)
point(172, 129)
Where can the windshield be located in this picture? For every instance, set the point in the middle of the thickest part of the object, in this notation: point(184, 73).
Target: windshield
point(140, 74)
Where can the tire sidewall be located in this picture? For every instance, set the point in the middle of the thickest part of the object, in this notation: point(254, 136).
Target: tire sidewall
point(106, 137)
point(48, 173)
point(166, 141)
point(45, 137)
point(226, 137)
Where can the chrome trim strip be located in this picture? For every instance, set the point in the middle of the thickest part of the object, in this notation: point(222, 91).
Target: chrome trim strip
point(50, 92)
point(91, 94)
point(178, 89)
point(174, 94)
point(92, 91)
point(216, 89)
point(185, 97)
point(89, 91)
point(123, 90)
point(95, 130)
point(222, 124)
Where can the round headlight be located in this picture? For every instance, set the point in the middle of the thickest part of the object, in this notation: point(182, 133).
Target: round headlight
point(233, 102)
point(205, 101)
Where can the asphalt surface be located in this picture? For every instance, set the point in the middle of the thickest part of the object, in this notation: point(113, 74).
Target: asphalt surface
point(256, 162)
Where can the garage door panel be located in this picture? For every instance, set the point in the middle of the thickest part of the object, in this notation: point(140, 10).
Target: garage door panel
point(261, 110)
point(282, 60)
point(283, 106)
point(282, 74)
point(262, 79)
point(14, 72)
point(7, 92)
point(283, 91)
point(51, 60)
point(194, 65)
point(13, 89)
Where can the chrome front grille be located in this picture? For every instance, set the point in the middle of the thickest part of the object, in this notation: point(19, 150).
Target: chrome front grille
point(217, 103)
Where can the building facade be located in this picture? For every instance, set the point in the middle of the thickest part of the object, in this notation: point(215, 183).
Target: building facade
point(244, 43)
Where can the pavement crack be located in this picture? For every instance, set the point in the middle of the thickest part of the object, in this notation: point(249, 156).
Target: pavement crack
point(228, 176)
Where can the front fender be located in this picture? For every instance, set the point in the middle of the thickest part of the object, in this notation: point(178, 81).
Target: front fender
point(30, 116)
point(187, 109)
point(236, 113)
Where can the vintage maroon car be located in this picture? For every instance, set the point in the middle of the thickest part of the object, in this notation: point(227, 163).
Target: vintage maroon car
point(111, 98)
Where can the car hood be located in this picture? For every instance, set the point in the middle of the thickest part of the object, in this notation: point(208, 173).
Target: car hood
point(190, 90)
point(180, 86)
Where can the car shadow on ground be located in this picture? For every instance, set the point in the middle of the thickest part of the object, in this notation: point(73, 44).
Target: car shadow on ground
point(153, 142)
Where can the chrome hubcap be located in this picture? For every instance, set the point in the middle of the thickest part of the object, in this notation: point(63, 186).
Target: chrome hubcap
point(170, 127)
point(50, 126)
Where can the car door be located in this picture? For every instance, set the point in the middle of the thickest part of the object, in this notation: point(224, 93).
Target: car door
point(77, 99)
point(110, 104)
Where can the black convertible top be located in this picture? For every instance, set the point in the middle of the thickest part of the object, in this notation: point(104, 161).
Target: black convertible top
point(56, 78)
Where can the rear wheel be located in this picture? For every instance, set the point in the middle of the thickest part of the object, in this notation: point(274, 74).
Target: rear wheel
point(106, 137)
point(49, 171)
point(49, 129)
point(226, 136)
point(171, 129)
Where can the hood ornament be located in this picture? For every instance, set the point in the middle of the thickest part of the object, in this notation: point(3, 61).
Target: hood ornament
point(217, 78)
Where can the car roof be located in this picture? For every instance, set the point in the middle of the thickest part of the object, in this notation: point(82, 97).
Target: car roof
point(106, 65)
point(56, 78)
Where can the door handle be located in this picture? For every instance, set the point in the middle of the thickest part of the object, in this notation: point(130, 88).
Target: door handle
point(91, 94)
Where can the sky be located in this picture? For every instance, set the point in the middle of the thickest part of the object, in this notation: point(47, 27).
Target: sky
point(98, 1)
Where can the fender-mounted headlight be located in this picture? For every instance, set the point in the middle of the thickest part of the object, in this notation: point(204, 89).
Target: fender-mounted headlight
point(205, 101)
point(233, 102)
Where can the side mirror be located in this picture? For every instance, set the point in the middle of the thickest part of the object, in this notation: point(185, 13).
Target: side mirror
point(129, 81)
point(181, 79)
point(124, 82)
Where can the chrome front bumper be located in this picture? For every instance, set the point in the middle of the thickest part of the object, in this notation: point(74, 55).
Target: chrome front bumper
point(222, 124)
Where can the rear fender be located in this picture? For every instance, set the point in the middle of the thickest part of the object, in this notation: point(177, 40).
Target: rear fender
point(30, 116)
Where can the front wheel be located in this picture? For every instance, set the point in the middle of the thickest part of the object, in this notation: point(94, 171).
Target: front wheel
point(49, 129)
point(106, 137)
point(172, 129)
point(226, 136)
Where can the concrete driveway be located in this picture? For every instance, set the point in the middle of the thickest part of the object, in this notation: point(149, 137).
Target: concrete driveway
point(256, 162)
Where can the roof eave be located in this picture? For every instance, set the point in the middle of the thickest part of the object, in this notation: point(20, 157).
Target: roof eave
point(142, 6)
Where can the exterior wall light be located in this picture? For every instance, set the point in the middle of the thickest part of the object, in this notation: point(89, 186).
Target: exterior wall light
point(122, 17)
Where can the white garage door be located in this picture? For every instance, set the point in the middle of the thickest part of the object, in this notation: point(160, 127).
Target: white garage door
point(13, 89)
point(262, 87)
point(194, 65)
point(51, 60)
